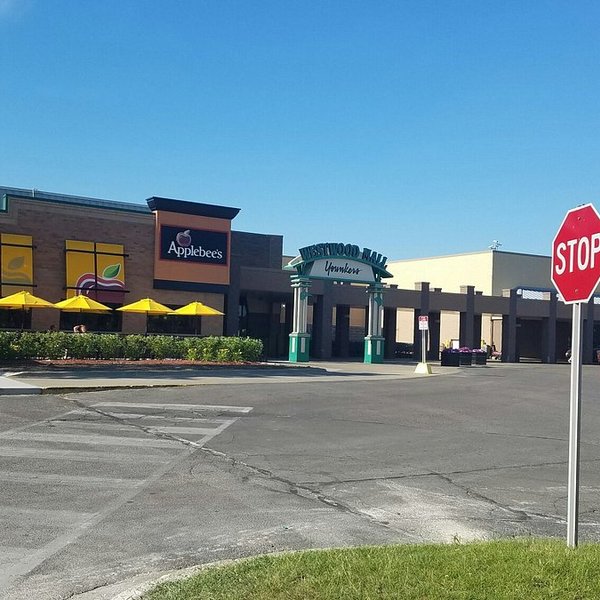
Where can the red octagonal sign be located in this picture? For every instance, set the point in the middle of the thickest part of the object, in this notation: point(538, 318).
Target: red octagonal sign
point(576, 255)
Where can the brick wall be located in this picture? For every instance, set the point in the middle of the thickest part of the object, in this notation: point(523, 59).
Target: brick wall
point(51, 223)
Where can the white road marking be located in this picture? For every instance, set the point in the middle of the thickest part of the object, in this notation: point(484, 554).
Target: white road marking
point(84, 455)
point(37, 557)
point(9, 554)
point(141, 416)
point(59, 478)
point(143, 450)
point(43, 514)
point(91, 440)
point(169, 406)
point(183, 430)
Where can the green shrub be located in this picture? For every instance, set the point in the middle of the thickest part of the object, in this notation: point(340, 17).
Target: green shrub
point(252, 348)
point(26, 346)
point(110, 346)
point(135, 347)
point(205, 349)
point(164, 346)
point(54, 345)
point(81, 346)
point(57, 345)
point(9, 347)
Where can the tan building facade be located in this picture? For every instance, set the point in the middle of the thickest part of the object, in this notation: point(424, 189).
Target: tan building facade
point(57, 246)
point(490, 272)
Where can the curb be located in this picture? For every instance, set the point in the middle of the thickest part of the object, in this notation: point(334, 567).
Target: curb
point(135, 587)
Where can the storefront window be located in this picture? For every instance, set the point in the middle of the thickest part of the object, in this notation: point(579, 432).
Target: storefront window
point(174, 324)
point(15, 319)
point(105, 322)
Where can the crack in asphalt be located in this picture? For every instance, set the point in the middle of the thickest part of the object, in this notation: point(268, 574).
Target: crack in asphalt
point(520, 515)
point(146, 429)
point(309, 490)
point(293, 488)
point(429, 473)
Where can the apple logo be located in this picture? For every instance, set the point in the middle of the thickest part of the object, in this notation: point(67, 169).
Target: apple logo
point(184, 238)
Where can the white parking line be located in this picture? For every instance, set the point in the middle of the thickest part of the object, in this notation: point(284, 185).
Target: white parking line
point(66, 517)
point(169, 406)
point(86, 456)
point(59, 478)
point(90, 440)
point(193, 430)
point(93, 430)
point(71, 534)
point(143, 416)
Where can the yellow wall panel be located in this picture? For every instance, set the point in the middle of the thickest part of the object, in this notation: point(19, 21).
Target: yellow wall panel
point(96, 270)
point(16, 258)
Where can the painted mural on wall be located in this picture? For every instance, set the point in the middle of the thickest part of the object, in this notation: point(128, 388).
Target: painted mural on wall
point(16, 258)
point(95, 270)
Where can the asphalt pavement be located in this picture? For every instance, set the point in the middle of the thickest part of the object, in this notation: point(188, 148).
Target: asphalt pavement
point(56, 378)
point(103, 491)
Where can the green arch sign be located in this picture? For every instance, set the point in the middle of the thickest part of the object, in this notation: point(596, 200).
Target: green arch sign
point(340, 262)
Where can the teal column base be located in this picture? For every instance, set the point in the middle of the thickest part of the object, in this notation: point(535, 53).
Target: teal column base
point(299, 347)
point(374, 347)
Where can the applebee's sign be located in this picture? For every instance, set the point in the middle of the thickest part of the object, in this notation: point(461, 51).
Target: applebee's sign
point(194, 245)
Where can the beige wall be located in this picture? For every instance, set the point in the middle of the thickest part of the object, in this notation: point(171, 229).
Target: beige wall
point(512, 270)
point(405, 323)
point(449, 326)
point(489, 271)
point(446, 272)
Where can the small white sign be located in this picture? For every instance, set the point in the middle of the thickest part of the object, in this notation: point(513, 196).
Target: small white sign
point(423, 323)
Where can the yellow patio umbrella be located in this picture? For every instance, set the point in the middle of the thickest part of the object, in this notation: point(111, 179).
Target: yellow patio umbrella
point(24, 300)
point(146, 306)
point(82, 304)
point(198, 310)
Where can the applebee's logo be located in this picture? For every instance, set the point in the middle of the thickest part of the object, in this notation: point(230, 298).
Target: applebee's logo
point(184, 249)
point(102, 287)
point(184, 239)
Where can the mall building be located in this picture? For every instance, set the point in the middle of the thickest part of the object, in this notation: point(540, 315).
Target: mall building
point(176, 251)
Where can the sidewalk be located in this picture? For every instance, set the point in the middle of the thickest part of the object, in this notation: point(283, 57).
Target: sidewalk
point(57, 378)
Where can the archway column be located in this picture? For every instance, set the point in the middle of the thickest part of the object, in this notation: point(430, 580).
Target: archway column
point(374, 341)
point(300, 338)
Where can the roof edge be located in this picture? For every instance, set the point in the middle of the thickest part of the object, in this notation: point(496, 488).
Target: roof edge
point(156, 203)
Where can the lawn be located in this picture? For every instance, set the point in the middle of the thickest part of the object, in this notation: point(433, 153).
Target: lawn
point(500, 570)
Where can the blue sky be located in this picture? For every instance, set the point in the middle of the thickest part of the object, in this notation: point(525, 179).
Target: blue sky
point(416, 128)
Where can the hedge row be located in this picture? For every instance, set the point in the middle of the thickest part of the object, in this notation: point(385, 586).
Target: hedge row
point(57, 345)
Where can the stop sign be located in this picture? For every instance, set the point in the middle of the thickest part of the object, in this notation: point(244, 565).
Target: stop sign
point(576, 255)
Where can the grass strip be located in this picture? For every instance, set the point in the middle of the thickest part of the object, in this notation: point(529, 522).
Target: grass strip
point(498, 570)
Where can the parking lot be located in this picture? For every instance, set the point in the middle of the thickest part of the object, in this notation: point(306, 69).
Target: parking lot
point(101, 490)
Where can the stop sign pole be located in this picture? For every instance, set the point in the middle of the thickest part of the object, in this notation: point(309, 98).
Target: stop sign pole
point(575, 274)
point(574, 430)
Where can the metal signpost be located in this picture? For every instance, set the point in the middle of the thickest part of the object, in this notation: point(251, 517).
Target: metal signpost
point(423, 328)
point(423, 368)
point(575, 274)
